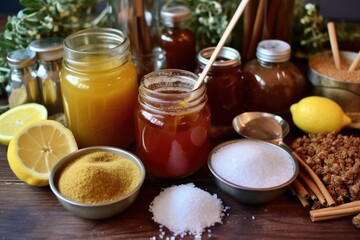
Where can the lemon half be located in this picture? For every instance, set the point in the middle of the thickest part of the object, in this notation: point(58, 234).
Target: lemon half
point(36, 148)
point(14, 118)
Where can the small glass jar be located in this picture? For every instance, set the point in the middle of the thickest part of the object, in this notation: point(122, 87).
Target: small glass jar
point(24, 86)
point(49, 52)
point(172, 123)
point(99, 87)
point(225, 88)
point(273, 83)
point(176, 40)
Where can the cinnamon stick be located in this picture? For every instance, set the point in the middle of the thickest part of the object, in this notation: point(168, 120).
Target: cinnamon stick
point(342, 210)
point(303, 201)
point(354, 63)
point(300, 189)
point(314, 188)
point(334, 44)
point(330, 201)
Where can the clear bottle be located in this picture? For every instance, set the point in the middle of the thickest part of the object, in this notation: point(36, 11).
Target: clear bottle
point(49, 52)
point(273, 83)
point(172, 139)
point(24, 86)
point(225, 88)
point(176, 40)
point(99, 87)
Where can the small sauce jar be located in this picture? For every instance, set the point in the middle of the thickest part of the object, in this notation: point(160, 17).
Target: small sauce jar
point(49, 52)
point(273, 83)
point(176, 40)
point(24, 86)
point(225, 88)
point(99, 87)
point(172, 123)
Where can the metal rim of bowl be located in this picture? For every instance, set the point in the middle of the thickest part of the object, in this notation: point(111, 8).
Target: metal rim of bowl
point(71, 156)
point(216, 148)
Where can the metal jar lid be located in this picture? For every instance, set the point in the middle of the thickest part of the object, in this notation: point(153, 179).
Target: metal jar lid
point(273, 51)
point(48, 49)
point(227, 57)
point(174, 14)
point(21, 58)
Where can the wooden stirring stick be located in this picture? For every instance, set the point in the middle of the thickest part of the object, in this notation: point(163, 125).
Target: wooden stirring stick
point(354, 63)
point(334, 44)
point(221, 43)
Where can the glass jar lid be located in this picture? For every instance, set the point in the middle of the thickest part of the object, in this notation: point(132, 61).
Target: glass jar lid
point(174, 14)
point(273, 51)
point(21, 58)
point(48, 49)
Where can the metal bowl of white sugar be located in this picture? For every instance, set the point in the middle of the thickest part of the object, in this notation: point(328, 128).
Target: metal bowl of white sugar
point(252, 171)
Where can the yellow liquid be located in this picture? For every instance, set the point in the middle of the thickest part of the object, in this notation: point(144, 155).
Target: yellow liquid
point(99, 105)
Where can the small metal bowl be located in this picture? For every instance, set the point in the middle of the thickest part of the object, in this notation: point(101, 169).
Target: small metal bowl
point(346, 94)
point(251, 195)
point(96, 211)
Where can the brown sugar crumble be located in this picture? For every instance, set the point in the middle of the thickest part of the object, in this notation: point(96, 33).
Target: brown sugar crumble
point(335, 159)
point(324, 64)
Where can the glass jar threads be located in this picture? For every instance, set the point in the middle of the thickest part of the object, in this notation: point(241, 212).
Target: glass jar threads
point(273, 83)
point(176, 39)
point(225, 88)
point(172, 123)
point(24, 86)
point(49, 52)
point(99, 86)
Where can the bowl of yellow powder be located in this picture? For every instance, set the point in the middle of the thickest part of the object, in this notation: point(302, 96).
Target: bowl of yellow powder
point(97, 182)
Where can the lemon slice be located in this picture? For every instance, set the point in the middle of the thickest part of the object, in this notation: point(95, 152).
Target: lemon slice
point(36, 148)
point(14, 118)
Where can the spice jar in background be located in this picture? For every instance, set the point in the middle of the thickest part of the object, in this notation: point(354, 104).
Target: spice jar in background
point(225, 88)
point(176, 39)
point(172, 123)
point(24, 87)
point(273, 83)
point(99, 87)
point(49, 52)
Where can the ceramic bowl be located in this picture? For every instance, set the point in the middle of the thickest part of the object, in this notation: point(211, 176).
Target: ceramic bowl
point(259, 192)
point(96, 211)
point(345, 93)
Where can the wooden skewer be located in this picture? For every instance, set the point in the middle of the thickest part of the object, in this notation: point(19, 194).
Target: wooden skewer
point(221, 43)
point(334, 44)
point(354, 63)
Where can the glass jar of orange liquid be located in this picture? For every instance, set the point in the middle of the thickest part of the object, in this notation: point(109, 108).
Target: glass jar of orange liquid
point(99, 87)
point(172, 123)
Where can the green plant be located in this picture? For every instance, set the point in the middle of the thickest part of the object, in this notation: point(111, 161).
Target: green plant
point(45, 18)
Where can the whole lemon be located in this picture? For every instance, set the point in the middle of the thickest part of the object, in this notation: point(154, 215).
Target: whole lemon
point(316, 114)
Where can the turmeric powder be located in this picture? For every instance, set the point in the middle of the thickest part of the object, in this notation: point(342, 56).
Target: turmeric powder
point(98, 177)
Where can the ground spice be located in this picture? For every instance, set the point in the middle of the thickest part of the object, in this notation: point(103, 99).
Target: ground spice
point(98, 177)
point(324, 64)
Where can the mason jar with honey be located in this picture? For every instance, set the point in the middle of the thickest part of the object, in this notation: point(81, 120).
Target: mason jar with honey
point(172, 123)
point(99, 87)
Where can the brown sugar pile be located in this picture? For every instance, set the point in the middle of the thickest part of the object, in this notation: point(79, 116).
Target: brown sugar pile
point(335, 158)
point(324, 64)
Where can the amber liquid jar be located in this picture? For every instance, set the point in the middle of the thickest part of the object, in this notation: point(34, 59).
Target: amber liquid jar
point(273, 83)
point(177, 41)
point(225, 88)
point(99, 87)
point(172, 124)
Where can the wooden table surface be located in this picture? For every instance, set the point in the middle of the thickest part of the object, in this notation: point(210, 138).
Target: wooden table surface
point(28, 212)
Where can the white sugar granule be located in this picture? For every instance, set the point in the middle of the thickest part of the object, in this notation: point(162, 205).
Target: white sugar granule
point(252, 164)
point(186, 210)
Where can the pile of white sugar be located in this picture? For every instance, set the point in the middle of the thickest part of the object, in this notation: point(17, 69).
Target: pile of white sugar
point(186, 210)
point(253, 164)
